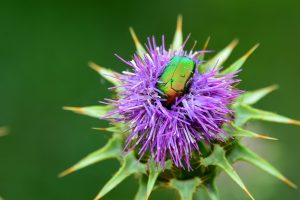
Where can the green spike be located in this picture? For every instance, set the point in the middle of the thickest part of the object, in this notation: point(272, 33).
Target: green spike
point(3, 131)
point(218, 158)
point(239, 63)
point(153, 174)
point(142, 190)
point(178, 38)
point(185, 188)
point(220, 58)
point(240, 132)
point(241, 152)
point(212, 190)
point(112, 149)
point(252, 97)
point(129, 166)
point(112, 129)
point(139, 47)
point(108, 74)
point(244, 113)
point(92, 111)
point(202, 55)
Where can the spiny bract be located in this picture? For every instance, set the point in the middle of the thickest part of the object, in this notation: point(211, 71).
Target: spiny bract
point(180, 139)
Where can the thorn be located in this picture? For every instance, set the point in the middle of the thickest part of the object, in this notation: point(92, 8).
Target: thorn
point(194, 45)
point(295, 122)
point(179, 24)
point(139, 47)
point(4, 131)
point(251, 51)
point(97, 198)
point(265, 137)
point(248, 193)
point(273, 87)
point(94, 66)
point(206, 43)
point(100, 129)
point(66, 172)
point(233, 44)
point(74, 109)
point(134, 37)
point(288, 182)
point(201, 55)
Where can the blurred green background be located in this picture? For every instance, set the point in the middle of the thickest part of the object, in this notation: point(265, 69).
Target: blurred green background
point(44, 50)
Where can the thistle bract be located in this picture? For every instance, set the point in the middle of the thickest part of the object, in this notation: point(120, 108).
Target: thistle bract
point(179, 119)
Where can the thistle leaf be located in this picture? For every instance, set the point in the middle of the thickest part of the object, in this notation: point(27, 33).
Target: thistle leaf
point(129, 166)
point(220, 58)
point(178, 38)
point(108, 74)
point(112, 149)
point(139, 47)
point(241, 152)
point(92, 111)
point(3, 131)
point(252, 97)
point(239, 63)
point(142, 190)
point(185, 188)
point(245, 113)
point(240, 132)
point(218, 158)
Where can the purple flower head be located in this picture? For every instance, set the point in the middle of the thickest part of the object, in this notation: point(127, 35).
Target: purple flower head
point(171, 131)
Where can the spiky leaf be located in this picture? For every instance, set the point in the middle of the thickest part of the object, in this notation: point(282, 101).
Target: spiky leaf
point(153, 174)
point(252, 97)
point(240, 132)
point(239, 63)
point(240, 152)
point(178, 38)
point(142, 190)
point(212, 190)
point(220, 58)
point(218, 158)
point(112, 149)
point(244, 113)
point(129, 166)
point(139, 47)
point(202, 55)
point(106, 73)
point(92, 111)
point(185, 188)
point(112, 129)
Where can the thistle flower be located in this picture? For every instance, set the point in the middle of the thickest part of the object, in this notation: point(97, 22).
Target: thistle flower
point(171, 124)
point(180, 120)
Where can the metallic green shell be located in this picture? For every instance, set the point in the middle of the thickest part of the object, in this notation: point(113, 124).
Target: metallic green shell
point(175, 78)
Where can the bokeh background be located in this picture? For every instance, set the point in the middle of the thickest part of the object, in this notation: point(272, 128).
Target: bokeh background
point(44, 50)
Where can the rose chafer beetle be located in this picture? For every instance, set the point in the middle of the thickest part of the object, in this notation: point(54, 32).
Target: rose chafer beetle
point(176, 77)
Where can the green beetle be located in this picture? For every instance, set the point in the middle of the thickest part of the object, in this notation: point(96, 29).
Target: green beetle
point(175, 78)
